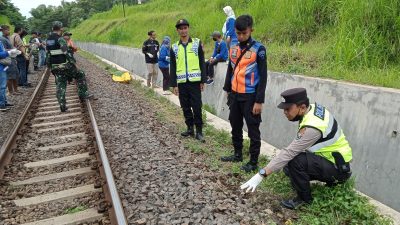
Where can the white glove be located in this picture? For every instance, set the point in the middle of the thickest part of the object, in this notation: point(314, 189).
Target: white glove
point(150, 55)
point(167, 58)
point(14, 52)
point(252, 183)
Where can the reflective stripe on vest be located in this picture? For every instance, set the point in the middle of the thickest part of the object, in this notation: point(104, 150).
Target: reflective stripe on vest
point(245, 75)
point(332, 137)
point(187, 61)
point(56, 52)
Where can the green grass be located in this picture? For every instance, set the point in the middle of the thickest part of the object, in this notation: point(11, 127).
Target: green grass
point(210, 109)
point(5, 20)
point(338, 205)
point(356, 41)
point(75, 209)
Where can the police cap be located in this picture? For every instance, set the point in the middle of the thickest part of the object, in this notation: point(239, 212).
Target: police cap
point(181, 22)
point(293, 96)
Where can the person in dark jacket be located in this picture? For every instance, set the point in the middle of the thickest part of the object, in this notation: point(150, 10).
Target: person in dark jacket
point(150, 49)
point(163, 62)
point(245, 83)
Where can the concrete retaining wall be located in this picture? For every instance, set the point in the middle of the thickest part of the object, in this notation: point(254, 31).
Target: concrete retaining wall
point(369, 116)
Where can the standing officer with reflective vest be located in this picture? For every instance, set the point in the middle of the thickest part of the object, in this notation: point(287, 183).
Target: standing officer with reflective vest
point(62, 65)
point(320, 150)
point(245, 83)
point(188, 77)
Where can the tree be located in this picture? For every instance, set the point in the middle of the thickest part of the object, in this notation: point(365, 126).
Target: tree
point(9, 10)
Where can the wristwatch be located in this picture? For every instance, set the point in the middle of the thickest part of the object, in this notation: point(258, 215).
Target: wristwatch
point(262, 172)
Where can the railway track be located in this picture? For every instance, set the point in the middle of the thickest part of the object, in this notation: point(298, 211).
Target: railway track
point(53, 165)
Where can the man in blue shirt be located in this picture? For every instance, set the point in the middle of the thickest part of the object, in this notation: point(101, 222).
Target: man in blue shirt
point(220, 55)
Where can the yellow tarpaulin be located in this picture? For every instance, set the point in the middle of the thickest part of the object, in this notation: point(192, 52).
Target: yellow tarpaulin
point(123, 78)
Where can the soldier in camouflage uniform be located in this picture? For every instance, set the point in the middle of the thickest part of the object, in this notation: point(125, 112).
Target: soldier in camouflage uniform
point(34, 49)
point(62, 65)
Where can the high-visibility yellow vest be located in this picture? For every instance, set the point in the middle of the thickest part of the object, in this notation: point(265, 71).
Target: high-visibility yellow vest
point(332, 137)
point(187, 61)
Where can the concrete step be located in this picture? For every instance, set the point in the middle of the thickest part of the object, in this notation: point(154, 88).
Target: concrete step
point(87, 216)
point(54, 98)
point(65, 145)
point(44, 108)
point(56, 102)
point(77, 125)
point(57, 111)
point(53, 176)
point(56, 161)
point(71, 114)
point(56, 122)
point(57, 196)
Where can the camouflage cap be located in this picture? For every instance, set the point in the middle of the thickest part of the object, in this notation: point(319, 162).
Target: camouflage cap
point(57, 25)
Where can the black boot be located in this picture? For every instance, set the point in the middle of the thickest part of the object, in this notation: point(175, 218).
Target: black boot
point(63, 108)
point(294, 203)
point(199, 134)
point(249, 167)
point(237, 157)
point(88, 96)
point(188, 132)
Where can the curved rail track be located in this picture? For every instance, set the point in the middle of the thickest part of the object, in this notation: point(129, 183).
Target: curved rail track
point(54, 167)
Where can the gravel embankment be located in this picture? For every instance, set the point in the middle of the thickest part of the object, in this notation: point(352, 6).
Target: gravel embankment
point(159, 181)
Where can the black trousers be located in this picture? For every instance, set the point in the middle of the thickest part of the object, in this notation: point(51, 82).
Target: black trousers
point(306, 167)
point(241, 106)
point(190, 100)
point(210, 67)
point(165, 73)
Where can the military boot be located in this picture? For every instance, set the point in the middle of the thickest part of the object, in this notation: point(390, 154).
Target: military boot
point(293, 203)
point(237, 157)
point(250, 166)
point(188, 132)
point(199, 134)
point(63, 108)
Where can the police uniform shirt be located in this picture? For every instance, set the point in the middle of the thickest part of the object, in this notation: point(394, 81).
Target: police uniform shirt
point(305, 138)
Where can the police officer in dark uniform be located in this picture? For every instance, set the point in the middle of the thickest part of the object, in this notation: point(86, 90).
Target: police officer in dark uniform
point(188, 77)
point(245, 83)
point(319, 151)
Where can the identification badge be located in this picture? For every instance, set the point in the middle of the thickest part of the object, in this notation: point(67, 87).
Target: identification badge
point(247, 55)
point(234, 53)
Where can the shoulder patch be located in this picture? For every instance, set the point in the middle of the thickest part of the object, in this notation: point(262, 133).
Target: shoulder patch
point(319, 111)
point(300, 133)
point(247, 55)
point(261, 54)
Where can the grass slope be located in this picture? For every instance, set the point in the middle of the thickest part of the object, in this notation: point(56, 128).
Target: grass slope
point(357, 41)
point(331, 206)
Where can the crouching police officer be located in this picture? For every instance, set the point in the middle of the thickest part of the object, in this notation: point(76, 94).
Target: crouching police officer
point(188, 77)
point(319, 152)
point(62, 65)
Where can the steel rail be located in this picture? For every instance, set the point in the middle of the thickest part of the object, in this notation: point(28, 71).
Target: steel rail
point(116, 201)
point(6, 147)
